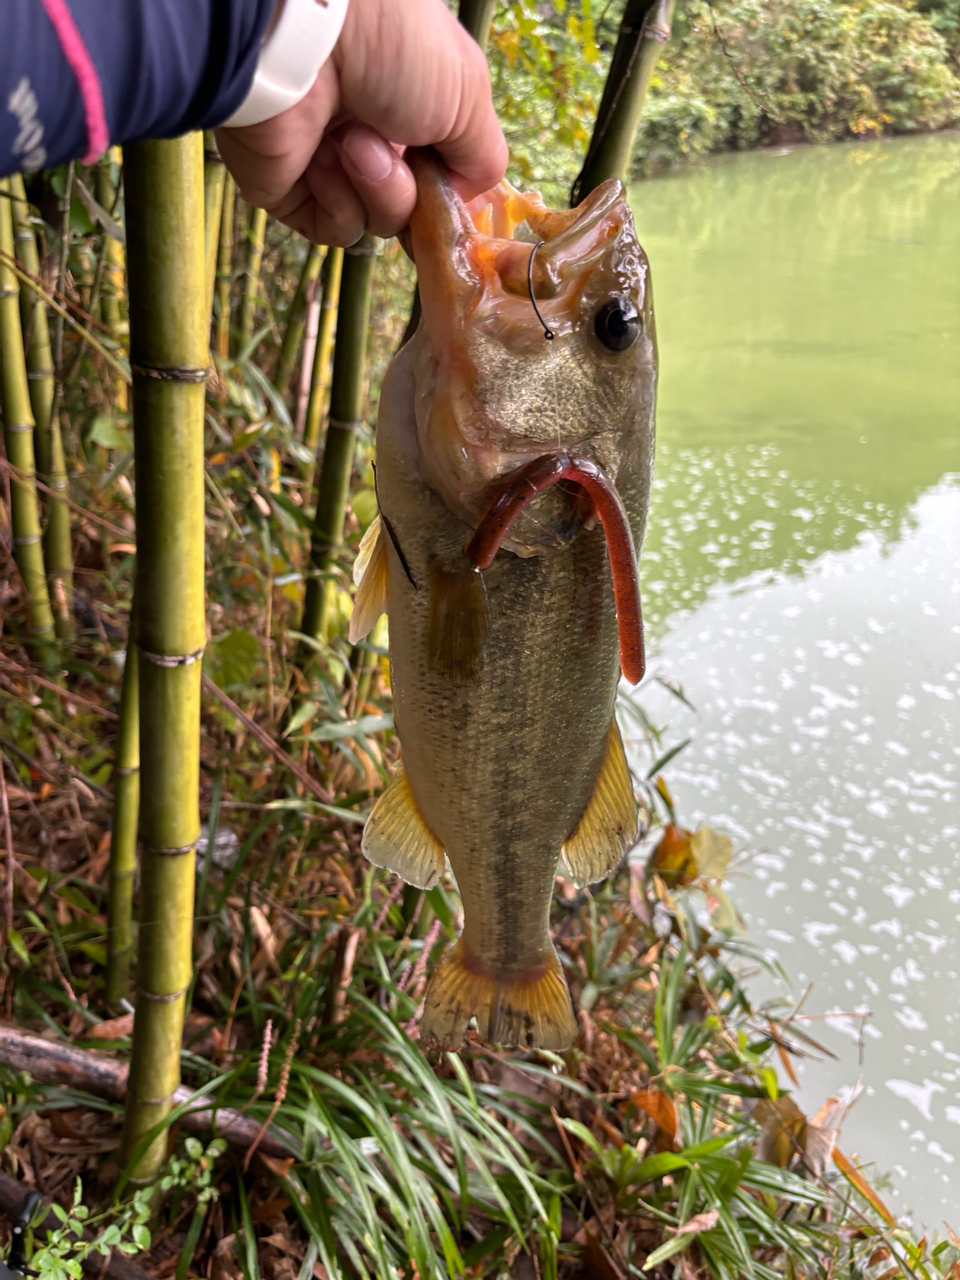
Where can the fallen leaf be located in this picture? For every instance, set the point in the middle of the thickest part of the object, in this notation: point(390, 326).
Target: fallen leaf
point(280, 1167)
point(702, 1222)
point(113, 1028)
point(597, 1262)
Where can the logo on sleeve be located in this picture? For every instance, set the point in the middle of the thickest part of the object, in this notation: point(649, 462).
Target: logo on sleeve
point(29, 140)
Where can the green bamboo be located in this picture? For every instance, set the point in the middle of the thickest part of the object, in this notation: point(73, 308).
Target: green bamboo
point(123, 838)
point(644, 30)
point(476, 16)
point(18, 439)
point(111, 292)
point(256, 236)
point(48, 443)
point(320, 376)
point(214, 181)
point(168, 350)
point(297, 318)
point(346, 409)
point(225, 267)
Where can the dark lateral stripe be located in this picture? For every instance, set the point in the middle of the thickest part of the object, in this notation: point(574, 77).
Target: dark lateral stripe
point(399, 550)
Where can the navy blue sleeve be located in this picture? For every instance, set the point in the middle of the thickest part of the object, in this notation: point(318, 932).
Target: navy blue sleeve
point(76, 75)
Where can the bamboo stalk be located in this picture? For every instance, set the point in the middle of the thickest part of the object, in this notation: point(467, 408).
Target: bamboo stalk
point(225, 267)
point(320, 374)
point(296, 319)
point(251, 282)
point(48, 442)
point(214, 181)
point(168, 340)
point(123, 838)
point(346, 408)
point(111, 293)
point(18, 439)
point(476, 16)
point(644, 30)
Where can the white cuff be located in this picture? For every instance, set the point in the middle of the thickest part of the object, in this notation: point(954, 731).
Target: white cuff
point(296, 47)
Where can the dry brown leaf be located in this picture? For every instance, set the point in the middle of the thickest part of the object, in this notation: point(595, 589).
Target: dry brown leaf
point(113, 1028)
point(597, 1262)
point(660, 1107)
point(279, 1167)
point(856, 1179)
point(784, 1130)
point(702, 1222)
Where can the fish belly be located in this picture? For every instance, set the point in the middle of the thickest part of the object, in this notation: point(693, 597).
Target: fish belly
point(501, 753)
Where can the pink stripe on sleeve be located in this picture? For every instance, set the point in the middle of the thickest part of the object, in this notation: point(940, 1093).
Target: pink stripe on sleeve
point(76, 53)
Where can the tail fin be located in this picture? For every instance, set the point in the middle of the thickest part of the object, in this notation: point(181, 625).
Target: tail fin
point(529, 1010)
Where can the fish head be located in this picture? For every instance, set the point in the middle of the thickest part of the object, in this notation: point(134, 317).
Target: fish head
point(497, 275)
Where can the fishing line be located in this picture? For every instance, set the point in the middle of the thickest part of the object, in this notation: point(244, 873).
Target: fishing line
point(547, 331)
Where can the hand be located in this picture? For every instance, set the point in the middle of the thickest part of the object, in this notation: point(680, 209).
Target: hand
point(403, 73)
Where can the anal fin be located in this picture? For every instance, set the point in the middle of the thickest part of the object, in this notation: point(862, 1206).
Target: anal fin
point(530, 1009)
point(609, 824)
point(370, 577)
point(397, 838)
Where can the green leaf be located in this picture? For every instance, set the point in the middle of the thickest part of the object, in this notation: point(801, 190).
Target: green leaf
point(232, 659)
point(15, 938)
point(107, 432)
point(676, 1245)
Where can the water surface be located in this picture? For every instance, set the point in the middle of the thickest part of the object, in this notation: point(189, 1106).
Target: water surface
point(802, 583)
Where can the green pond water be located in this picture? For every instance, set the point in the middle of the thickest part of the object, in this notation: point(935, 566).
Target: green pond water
point(801, 581)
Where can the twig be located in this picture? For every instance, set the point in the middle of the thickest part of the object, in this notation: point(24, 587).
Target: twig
point(8, 839)
point(61, 693)
point(58, 1063)
point(265, 740)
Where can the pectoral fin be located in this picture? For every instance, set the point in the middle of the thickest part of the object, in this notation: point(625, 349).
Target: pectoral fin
point(370, 576)
point(609, 823)
point(397, 838)
point(457, 629)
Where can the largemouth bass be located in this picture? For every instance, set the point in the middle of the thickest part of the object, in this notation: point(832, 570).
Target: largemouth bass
point(504, 679)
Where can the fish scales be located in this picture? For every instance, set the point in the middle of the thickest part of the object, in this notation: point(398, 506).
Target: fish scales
point(504, 682)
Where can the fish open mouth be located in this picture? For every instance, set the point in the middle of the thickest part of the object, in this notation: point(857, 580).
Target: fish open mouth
point(527, 484)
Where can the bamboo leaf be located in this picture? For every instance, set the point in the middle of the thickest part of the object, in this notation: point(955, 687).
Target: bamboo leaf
point(857, 1180)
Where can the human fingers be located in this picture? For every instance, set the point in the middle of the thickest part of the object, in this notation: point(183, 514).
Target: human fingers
point(415, 76)
point(380, 178)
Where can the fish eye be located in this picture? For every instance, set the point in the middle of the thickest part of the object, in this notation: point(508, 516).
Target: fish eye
point(617, 324)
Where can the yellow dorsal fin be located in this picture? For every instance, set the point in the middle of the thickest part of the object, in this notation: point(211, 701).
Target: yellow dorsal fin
point(529, 1009)
point(609, 824)
point(370, 577)
point(397, 838)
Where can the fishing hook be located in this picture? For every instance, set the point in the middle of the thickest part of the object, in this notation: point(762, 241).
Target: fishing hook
point(547, 332)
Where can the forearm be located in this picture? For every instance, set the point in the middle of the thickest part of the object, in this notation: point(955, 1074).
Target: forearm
point(76, 75)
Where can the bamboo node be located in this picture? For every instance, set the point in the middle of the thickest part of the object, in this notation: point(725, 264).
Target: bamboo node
point(169, 373)
point(127, 770)
point(176, 851)
point(27, 542)
point(15, 427)
point(172, 659)
point(9, 293)
point(161, 999)
point(364, 248)
point(344, 425)
point(39, 373)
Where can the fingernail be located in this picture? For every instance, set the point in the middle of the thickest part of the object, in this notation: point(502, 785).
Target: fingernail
point(372, 158)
